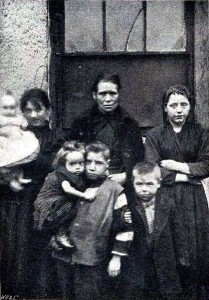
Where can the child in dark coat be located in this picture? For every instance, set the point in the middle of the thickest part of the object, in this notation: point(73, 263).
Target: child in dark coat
point(61, 190)
point(155, 259)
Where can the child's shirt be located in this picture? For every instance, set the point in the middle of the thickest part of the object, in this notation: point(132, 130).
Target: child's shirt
point(17, 120)
point(91, 227)
point(149, 209)
point(17, 146)
point(11, 128)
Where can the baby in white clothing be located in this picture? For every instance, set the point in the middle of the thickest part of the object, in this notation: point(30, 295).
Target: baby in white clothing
point(17, 145)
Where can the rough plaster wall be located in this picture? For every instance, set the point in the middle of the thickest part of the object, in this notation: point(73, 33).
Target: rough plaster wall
point(24, 45)
point(201, 63)
point(201, 69)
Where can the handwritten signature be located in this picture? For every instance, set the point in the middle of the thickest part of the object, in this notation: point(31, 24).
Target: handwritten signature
point(9, 297)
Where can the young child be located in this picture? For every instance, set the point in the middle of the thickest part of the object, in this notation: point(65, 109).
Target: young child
point(91, 228)
point(155, 259)
point(61, 189)
point(17, 145)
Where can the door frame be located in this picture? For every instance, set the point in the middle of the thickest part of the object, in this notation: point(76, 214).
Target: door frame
point(57, 39)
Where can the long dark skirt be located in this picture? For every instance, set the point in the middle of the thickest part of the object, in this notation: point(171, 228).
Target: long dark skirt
point(192, 207)
point(27, 269)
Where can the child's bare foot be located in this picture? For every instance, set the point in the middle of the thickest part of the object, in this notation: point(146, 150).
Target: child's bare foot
point(21, 179)
point(24, 180)
point(16, 186)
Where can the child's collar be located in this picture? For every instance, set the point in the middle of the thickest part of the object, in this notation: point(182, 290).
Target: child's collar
point(148, 204)
point(145, 204)
point(97, 182)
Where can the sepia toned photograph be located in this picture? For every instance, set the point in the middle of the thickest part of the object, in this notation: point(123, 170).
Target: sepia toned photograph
point(104, 150)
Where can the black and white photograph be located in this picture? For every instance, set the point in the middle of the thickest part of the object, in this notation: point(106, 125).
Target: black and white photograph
point(104, 150)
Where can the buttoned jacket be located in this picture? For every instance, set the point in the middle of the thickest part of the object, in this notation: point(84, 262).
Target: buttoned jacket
point(167, 254)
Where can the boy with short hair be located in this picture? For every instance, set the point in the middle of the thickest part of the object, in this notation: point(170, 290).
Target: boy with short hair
point(155, 258)
point(91, 228)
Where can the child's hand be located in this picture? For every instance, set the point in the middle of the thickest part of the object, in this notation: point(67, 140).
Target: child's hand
point(114, 266)
point(24, 124)
point(90, 193)
point(16, 186)
point(127, 216)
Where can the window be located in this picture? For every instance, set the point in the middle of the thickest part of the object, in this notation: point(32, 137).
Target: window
point(148, 43)
point(124, 26)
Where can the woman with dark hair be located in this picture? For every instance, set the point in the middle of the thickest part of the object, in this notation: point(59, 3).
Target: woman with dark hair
point(181, 147)
point(27, 268)
point(33, 95)
point(110, 124)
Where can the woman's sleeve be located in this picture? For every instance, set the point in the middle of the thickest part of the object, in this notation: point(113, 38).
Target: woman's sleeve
point(152, 154)
point(200, 168)
point(152, 149)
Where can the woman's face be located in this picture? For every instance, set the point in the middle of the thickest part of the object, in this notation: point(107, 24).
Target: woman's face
point(36, 115)
point(177, 109)
point(107, 96)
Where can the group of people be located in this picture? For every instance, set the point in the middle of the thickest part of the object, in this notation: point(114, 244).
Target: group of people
point(95, 213)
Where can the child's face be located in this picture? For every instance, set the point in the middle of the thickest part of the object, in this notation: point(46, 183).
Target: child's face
point(75, 162)
point(145, 185)
point(8, 106)
point(96, 165)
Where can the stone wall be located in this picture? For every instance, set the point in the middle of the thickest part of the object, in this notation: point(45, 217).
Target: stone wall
point(201, 63)
point(24, 45)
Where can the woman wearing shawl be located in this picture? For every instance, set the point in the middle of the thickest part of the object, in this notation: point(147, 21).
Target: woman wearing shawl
point(181, 147)
point(26, 272)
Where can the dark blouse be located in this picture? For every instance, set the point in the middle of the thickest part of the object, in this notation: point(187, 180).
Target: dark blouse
point(117, 130)
point(191, 146)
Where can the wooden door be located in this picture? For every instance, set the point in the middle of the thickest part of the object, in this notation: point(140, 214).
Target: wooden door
point(147, 65)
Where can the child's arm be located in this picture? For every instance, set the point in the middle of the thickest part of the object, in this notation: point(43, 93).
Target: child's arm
point(89, 194)
point(123, 238)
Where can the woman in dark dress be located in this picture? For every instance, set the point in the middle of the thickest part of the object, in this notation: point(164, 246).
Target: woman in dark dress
point(181, 147)
point(27, 269)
